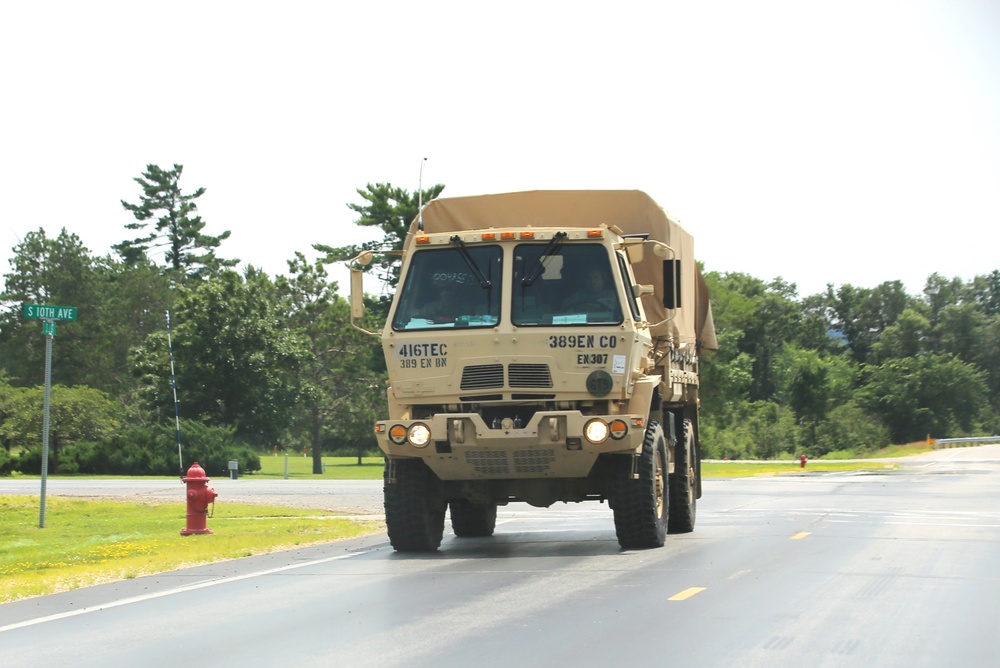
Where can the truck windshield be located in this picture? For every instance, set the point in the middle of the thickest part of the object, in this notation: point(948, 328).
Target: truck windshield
point(576, 287)
point(441, 291)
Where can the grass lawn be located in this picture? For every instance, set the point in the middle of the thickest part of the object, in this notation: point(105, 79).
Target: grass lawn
point(89, 542)
point(738, 469)
point(337, 468)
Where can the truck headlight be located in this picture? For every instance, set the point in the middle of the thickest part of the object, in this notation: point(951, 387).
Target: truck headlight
point(618, 429)
point(596, 431)
point(419, 435)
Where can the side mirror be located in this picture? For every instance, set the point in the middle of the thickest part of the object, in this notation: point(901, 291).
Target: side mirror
point(358, 293)
point(672, 283)
point(358, 290)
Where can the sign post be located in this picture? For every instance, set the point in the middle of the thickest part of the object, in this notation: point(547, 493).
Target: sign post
point(48, 315)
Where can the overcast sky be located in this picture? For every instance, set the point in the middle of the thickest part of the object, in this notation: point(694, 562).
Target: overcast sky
point(822, 142)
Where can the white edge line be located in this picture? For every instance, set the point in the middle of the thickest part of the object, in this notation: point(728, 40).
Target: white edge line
point(178, 590)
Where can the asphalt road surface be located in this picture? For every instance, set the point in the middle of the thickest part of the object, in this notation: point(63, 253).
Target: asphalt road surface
point(894, 569)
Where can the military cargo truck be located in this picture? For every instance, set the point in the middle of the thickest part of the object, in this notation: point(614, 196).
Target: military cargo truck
point(542, 347)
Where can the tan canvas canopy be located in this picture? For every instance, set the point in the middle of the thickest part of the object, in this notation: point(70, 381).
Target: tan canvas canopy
point(631, 210)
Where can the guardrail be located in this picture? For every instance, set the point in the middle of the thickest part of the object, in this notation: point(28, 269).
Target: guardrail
point(936, 443)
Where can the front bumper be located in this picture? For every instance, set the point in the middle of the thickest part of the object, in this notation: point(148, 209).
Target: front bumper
point(553, 444)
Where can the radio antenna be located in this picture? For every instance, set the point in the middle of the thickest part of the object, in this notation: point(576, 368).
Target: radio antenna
point(177, 411)
point(420, 197)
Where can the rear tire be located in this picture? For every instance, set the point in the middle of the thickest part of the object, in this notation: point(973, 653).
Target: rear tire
point(469, 520)
point(641, 505)
point(683, 501)
point(414, 510)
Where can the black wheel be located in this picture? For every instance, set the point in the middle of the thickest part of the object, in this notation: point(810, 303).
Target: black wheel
point(414, 511)
point(641, 505)
point(469, 520)
point(683, 500)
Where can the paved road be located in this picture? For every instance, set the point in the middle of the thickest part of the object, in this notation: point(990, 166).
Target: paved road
point(895, 569)
point(350, 497)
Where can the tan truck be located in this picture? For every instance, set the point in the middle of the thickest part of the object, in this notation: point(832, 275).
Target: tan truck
point(542, 346)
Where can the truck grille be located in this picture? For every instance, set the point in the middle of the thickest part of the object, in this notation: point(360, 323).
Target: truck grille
point(482, 377)
point(491, 376)
point(488, 463)
point(529, 375)
point(496, 463)
point(533, 461)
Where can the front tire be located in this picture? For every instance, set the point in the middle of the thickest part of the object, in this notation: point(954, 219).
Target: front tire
point(641, 505)
point(414, 511)
point(469, 520)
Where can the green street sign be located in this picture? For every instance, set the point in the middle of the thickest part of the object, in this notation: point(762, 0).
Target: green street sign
point(43, 312)
point(49, 327)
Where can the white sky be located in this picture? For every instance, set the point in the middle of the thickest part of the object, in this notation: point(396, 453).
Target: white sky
point(855, 141)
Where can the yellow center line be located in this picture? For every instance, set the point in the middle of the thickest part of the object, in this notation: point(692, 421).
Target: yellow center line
point(801, 535)
point(686, 594)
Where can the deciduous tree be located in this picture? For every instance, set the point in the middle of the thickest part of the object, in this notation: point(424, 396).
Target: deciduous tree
point(938, 395)
point(76, 414)
point(56, 271)
point(237, 362)
point(338, 403)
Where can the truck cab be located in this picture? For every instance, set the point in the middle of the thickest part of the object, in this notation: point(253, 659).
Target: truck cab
point(523, 366)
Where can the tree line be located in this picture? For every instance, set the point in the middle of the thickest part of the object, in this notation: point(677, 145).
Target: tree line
point(851, 368)
point(263, 361)
point(260, 361)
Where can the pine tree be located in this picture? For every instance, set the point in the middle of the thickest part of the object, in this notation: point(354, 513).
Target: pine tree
point(390, 209)
point(178, 229)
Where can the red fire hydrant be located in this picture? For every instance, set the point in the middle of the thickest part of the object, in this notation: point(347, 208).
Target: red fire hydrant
point(199, 495)
point(802, 461)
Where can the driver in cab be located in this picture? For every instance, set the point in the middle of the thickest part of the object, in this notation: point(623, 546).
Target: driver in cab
point(445, 302)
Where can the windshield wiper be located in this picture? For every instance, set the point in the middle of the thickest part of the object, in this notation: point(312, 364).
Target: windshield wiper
point(484, 282)
point(539, 267)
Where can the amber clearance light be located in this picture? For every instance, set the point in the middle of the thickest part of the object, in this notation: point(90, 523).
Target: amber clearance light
point(397, 434)
point(618, 429)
